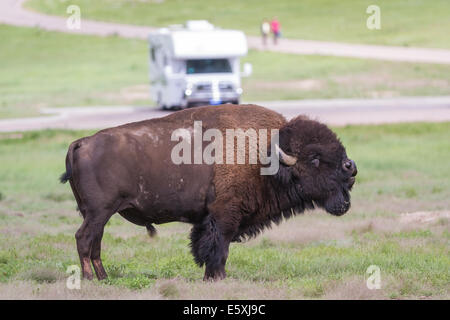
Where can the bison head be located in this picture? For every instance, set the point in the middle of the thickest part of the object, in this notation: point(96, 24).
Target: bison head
point(314, 162)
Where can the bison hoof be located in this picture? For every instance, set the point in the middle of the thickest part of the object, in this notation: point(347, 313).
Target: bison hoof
point(214, 276)
point(88, 276)
point(102, 277)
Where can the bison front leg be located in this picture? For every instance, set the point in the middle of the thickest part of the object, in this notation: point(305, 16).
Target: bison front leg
point(210, 241)
point(215, 267)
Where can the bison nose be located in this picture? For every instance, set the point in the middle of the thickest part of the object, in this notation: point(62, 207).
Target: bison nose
point(350, 167)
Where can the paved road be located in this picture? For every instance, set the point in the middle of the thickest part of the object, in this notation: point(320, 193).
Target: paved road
point(11, 12)
point(338, 112)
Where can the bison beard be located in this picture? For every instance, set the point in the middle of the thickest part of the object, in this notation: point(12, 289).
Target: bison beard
point(128, 170)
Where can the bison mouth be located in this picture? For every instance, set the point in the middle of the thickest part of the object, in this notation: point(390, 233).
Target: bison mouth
point(339, 203)
point(351, 182)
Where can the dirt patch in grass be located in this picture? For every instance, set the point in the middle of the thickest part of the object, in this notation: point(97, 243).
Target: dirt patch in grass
point(422, 217)
point(354, 288)
point(230, 289)
point(11, 136)
point(386, 79)
point(383, 203)
point(24, 290)
point(162, 289)
point(128, 95)
point(169, 289)
point(306, 84)
point(42, 275)
point(320, 227)
point(391, 287)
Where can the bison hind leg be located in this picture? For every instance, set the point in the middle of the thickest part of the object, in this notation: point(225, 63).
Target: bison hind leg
point(89, 237)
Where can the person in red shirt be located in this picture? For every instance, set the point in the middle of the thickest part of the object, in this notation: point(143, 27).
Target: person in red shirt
point(276, 29)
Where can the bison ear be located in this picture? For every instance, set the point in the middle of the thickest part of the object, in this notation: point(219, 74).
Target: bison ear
point(284, 175)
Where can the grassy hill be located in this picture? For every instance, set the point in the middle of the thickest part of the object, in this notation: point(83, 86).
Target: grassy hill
point(403, 22)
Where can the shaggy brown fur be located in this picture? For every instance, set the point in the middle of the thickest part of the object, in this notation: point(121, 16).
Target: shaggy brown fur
point(128, 169)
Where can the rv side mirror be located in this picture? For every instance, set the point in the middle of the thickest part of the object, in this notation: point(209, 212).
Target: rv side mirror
point(168, 71)
point(248, 69)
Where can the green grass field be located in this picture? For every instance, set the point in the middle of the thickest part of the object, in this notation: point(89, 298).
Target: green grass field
point(403, 22)
point(49, 69)
point(315, 255)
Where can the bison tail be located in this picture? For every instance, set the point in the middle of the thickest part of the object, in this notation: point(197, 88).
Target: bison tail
point(65, 176)
point(69, 161)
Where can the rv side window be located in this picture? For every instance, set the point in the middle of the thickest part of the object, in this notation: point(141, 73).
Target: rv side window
point(208, 66)
point(152, 54)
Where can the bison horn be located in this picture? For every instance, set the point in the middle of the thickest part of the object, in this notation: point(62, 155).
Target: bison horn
point(284, 158)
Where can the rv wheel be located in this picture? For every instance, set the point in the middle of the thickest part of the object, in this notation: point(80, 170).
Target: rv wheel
point(159, 102)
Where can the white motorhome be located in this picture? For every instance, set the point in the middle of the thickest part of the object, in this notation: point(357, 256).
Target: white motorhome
point(196, 64)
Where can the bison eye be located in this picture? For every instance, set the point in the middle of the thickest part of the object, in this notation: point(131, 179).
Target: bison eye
point(315, 162)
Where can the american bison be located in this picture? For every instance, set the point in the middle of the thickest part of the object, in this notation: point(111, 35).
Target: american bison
point(129, 170)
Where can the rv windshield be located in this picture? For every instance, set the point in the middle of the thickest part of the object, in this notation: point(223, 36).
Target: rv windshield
point(208, 66)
